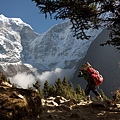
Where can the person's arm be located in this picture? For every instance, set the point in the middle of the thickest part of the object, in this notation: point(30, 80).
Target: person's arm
point(81, 73)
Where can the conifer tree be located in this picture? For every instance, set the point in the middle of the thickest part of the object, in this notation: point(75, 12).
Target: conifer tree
point(78, 90)
point(80, 93)
point(37, 87)
point(65, 82)
point(72, 91)
point(52, 91)
point(116, 96)
point(46, 89)
point(59, 86)
point(103, 95)
point(3, 77)
point(71, 86)
point(62, 88)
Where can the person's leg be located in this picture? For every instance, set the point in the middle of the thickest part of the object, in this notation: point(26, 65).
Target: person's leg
point(96, 92)
point(87, 91)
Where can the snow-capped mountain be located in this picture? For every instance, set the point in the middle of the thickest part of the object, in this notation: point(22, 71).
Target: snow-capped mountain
point(55, 53)
point(57, 48)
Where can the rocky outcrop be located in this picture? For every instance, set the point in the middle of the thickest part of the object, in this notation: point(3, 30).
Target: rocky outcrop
point(11, 70)
point(18, 104)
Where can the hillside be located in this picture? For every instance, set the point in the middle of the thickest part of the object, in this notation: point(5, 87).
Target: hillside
point(23, 104)
point(104, 59)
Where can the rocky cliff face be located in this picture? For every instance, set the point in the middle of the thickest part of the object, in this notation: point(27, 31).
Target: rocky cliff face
point(106, 60)
point(12, 31)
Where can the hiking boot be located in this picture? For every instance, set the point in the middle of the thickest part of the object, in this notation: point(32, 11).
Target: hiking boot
point(100, 98)
point(88, 98)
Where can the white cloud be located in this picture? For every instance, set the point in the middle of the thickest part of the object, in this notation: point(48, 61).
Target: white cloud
point(24, 80)
point(52, 76)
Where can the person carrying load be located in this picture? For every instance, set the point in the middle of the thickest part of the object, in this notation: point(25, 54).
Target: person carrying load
point(93, 79)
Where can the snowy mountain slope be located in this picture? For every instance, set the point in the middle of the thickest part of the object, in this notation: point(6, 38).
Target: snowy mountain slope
point(20, 45)
point(11, 39)
point(58, 48)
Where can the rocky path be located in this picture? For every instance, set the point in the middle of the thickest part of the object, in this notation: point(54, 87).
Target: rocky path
point(68, 110)
point(23, 104)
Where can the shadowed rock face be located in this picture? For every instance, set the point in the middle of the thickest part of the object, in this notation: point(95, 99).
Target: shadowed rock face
point(106, 60)
point(12, 70)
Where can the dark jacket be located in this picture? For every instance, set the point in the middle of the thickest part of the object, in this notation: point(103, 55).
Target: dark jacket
point(83, 73)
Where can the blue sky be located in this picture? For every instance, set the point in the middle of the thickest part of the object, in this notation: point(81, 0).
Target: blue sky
point(28, 12)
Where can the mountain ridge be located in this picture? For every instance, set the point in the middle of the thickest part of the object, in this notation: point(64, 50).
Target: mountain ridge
point(57, 48)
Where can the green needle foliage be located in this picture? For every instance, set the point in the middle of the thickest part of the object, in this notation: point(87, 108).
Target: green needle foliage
point(63, 88)
point(86, 14)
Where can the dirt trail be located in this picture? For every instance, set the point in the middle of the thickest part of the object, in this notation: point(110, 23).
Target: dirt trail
point(81, 111)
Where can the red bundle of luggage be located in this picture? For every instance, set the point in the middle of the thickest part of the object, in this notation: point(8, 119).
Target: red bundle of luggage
point(98, 79)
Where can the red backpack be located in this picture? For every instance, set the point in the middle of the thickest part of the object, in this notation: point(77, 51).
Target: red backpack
point(98, 79)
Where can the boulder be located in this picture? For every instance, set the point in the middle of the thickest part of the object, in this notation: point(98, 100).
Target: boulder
point(18, 103)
